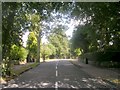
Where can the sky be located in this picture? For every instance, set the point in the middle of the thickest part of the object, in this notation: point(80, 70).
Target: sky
point(24, 38)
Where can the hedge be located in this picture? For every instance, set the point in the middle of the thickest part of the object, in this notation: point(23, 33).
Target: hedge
point(111, 59)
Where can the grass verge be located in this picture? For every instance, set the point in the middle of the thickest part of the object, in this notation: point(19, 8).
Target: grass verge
point(17, 72)
point(24, 68)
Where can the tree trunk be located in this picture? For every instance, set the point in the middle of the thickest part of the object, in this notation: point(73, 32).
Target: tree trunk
point(44, 58)
point(38, 48)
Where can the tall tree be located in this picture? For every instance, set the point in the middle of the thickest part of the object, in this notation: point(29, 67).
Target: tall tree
point(12, 25)
point(37, 12)
point(103, 35)
point(60, 41)
point(103, 19)
point(32, 45)
point(34, 19)
point(46, 50)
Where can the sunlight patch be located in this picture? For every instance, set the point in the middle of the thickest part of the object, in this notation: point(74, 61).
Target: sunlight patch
point(66, 79)
point(14, 85)
point(84, 80)
point(45, 84)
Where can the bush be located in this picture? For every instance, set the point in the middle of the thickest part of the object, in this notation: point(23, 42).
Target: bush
point(22, 54)
point(18, 53)
point(105, 59)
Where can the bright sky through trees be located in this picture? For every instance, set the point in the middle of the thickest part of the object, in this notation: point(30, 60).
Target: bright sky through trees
point(24, 38)
point(71, 26)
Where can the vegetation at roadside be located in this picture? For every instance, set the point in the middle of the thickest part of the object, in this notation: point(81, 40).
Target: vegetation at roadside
point(16, 72)
point(96, 36)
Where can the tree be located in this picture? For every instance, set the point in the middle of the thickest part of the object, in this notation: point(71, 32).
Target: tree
point(46, 51)
point(34, 20)
point(32, 45)
point(52, 50)
point(12, 31)
point(14, 23)
point(103, 35)
point(18, 53)
point(39, 12)
point(60, 41)
point(103, 20)
point(80, 39)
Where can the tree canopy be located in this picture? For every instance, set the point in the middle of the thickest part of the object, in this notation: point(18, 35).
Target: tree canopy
point(32, 45)
point(60, 41)
point(97, 31)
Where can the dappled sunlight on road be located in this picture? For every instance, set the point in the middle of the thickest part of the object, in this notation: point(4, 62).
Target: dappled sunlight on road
point(83, 83)
point(58, 73)
point(63, 83)
point(30, 84)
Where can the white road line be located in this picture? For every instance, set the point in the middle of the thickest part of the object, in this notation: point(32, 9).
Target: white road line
point(56, 67)
point(56, 85)
point(56, 73)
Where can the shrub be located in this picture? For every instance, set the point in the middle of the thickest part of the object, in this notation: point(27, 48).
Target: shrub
point(104, 58)
point(18, 53)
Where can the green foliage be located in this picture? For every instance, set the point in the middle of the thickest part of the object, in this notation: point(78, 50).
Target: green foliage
point(34, 22)
point(22, 53)
point(103, 58)
point(36, 12)
point(77, 52)
point(46, 50)
point(103, 19)
point(11, 27)
point(32, 44)
point(18, 53)
point(80, 39)
point(16, 20)
point(52, 49)
point(60, 41)
point(100, 31)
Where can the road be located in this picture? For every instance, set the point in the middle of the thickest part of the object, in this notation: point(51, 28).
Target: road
point(57, 74)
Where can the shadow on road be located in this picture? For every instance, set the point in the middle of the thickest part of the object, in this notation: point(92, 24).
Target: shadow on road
point(57, 74)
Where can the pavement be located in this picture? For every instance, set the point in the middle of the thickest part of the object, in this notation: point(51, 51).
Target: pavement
point(109, 74)
point(17, 67)
point(59, 74)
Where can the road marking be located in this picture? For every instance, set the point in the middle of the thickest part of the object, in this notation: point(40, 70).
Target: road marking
point(56, 67)
point(56, 73)
point(56, 85)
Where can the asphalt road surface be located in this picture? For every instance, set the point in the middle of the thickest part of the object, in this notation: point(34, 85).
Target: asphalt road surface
point(57, 74)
